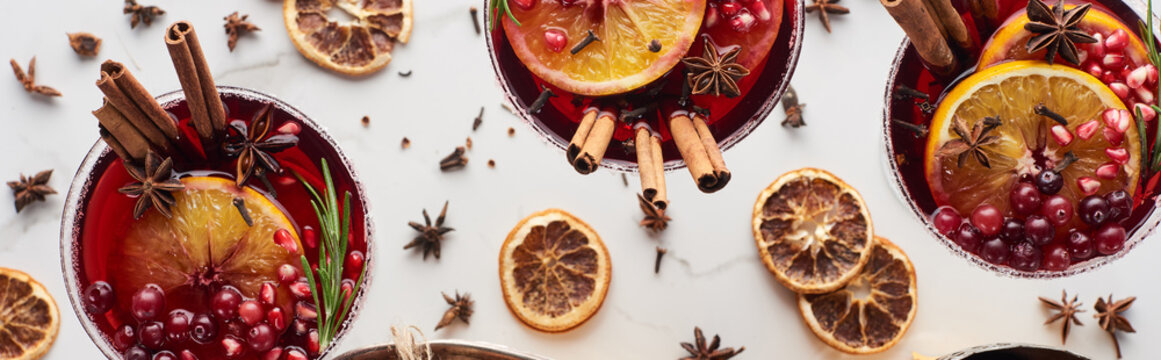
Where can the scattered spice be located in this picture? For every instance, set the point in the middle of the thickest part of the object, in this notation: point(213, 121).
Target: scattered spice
point(630, 116)
point(252, 148)
point(657, 263)
point(921, 99)
point(405, 73)
point(141, 14)
point(1068, 159)
point(715, 72)
point(584, 42)
point(625, 179)
point(406, 143)
point(455, 160)
point(85, 44)
point(491, 163)
point(475, 19)
point(29, 189)
point(366, 121)
point(461, 307)
point(1042, 110)
point(511, 132)
point(655, 45)
point(1056, 30)
point(1110, 319)
point(430, 236)
point(240, 204)
point(155, 185)
point(507, 108)
point(971, 143)
point(237, 26)
point(468, 143)
point(703, 351)
point(541, 100)
point(655, 219)
point(826, 7)
point(918, 130)
point(478, 120)
point(29, 79)
point(792, 108)
point(1065, 310)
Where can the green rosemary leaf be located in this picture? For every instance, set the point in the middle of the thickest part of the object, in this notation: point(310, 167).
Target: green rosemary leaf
point(498, 7)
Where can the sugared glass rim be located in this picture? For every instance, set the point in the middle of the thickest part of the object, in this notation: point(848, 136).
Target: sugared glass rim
point(892, 169)
point(85, 179)
point(748, 127)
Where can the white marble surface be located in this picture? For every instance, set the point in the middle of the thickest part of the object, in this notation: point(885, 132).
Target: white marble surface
point(711, 278)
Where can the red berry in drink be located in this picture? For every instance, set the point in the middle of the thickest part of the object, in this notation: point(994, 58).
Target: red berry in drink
point(1120, 205)
point(250, 312)
point(177, 326)
point(309, 237)
point(136, 353)
point(994, 251)
point(1056, 257)
point(273, 354)
point(125, 337)
point(1057, 209)
point(353, 265)
point(151, 335)
point(1109, 239)
point(261, 337)
point(232, 347)
point(1049, 182)
point(729, 7)
point(743, 21)
point(1038, 230)
point(1013, 231)
point(1025, 198)
point(203, 328)
point(288, 273)
point(555, 39)
point(946, 220)
point(306, 311)
point(968, 237)
point(267, 294)
point(988, 219)
point(295, 353)
point(524, 4)
point(99, 298)
point(225, 302)
point(290, 128)
point(165, 355)
point(188, 355)
point(283, 238)
point(312, 341)
point(276, 319)
point(300, 289)
point(300, 327)
point(1025, 257)
point(1093, 210)
point(1080, 245)
point(148, 303)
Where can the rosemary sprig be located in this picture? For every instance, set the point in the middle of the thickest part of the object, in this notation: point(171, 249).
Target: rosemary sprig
point(327, 288)
point(501, 6)
point(1146, 28)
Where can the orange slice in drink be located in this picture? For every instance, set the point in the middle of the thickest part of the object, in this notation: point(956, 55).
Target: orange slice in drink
point(812, 231)
point(360, 46)
point(1009, 42)
point(554, 271)
point(29, 318)
point(1029, 143)
point(621, 60)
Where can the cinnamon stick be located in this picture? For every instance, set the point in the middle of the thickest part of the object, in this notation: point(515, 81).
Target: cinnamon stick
point(127, 136)
point(692, 150)
point(714, 153)
point(582, 132)
point(643, 144)
point(596, 143)
point(118, 85)
point(114, 144)
point(951, 23)
point(207, 113)
point(985, 15)
point(925, 33)
point(661, 201)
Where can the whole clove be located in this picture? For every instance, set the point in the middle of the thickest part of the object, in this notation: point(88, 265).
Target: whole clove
point(541, 100)
point(454, 161)
point(241, 206)
point(584, 42)
point(478, 120)
point(475, 19)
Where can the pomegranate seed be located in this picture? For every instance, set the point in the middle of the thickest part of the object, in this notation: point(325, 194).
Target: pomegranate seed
point(1095, 69)
point(312, 341)
point(282, 238)
point(1151, 74)
point(1088, 185)
point(188, 355)
point(305, 311)
point(309, 237)
point(1120, 155)
point(290, 128)
point(273, 354)
point(1061, 134)
point(1113, 136)
point(1108, 171)
point(525, 4)
point(1108, 77)
point(1137, 77)
point(1147, 112)
point(295, 354)
point(267, 293)
point(1085, 131)
point(1113, 60)
point(1120, 89)
point(1145, 94)
point(1081, 56)
point(742, 22)
point(250, 312)
point(1117, 40)
point(354, 263)
point(300, 327)
point(300, 290)
point(555, 39)
point(347, 286)
point(232, 346)
point(730, 7)
point(276, 319)
point(1117, 119)
point(1097, 49)
point(711, 16)
point(759, 9)
point(287, 273)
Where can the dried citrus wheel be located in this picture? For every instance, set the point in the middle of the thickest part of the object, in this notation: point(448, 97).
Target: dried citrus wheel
point(1009, 42)
point(29, 319)
point(873, 311)
point(1028, 143)
point(621, 60)
point(554, 271)
point(812, 230)
point(361, 46)
point(206, 244)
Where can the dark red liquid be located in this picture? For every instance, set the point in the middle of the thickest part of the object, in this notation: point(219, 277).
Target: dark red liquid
point(561, 117)
point(107, 215)
point(907, 148)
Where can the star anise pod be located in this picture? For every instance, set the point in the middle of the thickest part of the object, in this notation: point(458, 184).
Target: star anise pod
point(702, 351)
point(155, 185)
point(29, 189)
point(1056, 30)
point(29, 79)
point(1066, 310)
point(713, 73)
point(971, 143)
point(253, 148)
point(1110, 319)
point(236, 26)
point(430, 235)
point(825, 8)
point(655, 218)
point(141, 14)
point(85, 44)
point(461, 307)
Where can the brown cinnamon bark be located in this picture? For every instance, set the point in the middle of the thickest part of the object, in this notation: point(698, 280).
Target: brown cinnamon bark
point(132, 88)
point(111, 120)
point(582, 132)
point(985, 15)
point(661, 200)
point(951, 23)
point(714, 152)
point(207, 113)
point(114, 144)
point(596, 143)
point(645, 166)
point(128, 109)
point(924, 31)
point(692, 151)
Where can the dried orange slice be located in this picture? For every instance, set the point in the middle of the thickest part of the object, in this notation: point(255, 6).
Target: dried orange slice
point(359, 47)
point(29, 318)
point(554, 271)
point(812, 230)
point(1008, 42)
point(621, 60)
point(873, 311)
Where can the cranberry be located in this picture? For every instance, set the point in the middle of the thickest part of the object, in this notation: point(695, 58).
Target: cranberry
point(946, 220)
point(555, 39)
point(1080, 245)
point(148, 303)
point(1038, 230)
point(99, 297)
point(295, 353)
point(1109, 239)
point(1057, 209)
point(261, 337)
point(251, 312)
point(188, 355)
point(125, 337)
point(1120, 205)
point(1024, 256)
point(225, 302)
point(1025, 198)
point(1049, 182)
point(136, 353)
point(1056, 257)
point(988, 219)
point(177, 326)
point(152, 335)
point(968, 237)
point(1013, 231)
point(288, 273)
point(204, 328)
point(1094, 210)
point(165, 355)
point(994, 251)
